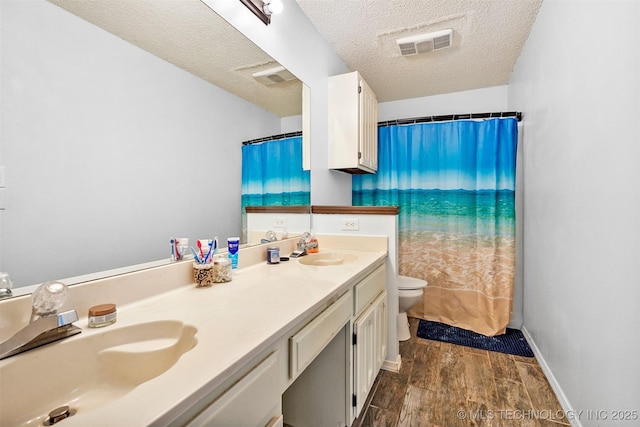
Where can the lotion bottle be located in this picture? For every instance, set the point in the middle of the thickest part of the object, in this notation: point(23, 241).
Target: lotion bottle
point(313, 247)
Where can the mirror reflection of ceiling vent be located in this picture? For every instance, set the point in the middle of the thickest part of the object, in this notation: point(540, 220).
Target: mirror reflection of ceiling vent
point(273, 75)
point(424, 43)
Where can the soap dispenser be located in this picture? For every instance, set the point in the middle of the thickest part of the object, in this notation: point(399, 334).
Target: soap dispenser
point(313, 246)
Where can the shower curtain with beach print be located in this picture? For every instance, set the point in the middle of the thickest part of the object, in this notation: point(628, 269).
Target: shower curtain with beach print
point(455, 185)
point(272, 175)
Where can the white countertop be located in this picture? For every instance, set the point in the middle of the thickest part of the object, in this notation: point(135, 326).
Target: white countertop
point(235, 321)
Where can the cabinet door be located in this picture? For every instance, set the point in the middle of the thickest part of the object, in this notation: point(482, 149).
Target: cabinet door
point(365, 356)
point(370, 348)
point(380, 307)
point(368, 127)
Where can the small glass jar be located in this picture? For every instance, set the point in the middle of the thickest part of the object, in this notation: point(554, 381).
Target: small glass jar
point(221, 269)
point(273, 255)
point(203, 275)
point(102, 315)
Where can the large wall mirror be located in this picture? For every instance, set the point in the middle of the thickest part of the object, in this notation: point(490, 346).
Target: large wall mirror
point(122, 123)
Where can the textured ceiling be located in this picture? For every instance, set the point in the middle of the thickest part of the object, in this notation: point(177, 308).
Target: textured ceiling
point(488, 36)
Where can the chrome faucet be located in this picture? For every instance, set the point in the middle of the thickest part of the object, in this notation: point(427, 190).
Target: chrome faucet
point(5, 286)
point(46, 324)
point(304, 241)
point(301, 248)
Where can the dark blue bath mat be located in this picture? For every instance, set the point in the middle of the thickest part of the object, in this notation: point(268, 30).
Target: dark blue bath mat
point(512, 342)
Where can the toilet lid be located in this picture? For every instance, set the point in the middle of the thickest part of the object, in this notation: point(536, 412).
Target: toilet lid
point(405, 282)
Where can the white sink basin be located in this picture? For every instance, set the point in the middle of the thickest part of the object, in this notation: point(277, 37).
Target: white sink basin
point(327, 258)
point(89, 370)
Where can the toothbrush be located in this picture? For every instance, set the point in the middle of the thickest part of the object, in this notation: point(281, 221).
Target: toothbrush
point(200, 248)
point(195, 255)
point(173, 249)
point(176, 243)
point(206, 260)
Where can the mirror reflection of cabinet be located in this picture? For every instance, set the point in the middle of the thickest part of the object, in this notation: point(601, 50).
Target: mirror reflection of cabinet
point(353, 124)
point(306, 127)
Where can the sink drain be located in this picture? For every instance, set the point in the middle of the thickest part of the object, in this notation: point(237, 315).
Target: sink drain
point(58, 415)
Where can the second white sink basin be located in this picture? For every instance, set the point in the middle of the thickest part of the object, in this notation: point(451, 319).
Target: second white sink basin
point(327, 258)
point(90, 370)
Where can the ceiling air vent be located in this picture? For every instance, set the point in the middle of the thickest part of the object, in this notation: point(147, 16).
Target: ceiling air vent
point(424, 43)
point(273, 75)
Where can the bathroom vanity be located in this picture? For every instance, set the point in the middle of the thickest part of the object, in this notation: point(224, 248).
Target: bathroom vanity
point(274, 345)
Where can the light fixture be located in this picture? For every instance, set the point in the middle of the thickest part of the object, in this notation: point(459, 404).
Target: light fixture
point(272, 7)
point(273, 75)
point(263, 9)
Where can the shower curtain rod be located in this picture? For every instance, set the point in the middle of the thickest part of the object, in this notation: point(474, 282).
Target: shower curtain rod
point(411, 121)
point(273, 137)
point(450, 117)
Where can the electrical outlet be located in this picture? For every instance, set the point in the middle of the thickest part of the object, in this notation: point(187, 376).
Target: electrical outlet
point(280, 222)
point(350, 224)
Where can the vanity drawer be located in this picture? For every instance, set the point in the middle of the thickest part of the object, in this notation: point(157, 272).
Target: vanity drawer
point(313, 338)
point(369, 288)
point(252, 401)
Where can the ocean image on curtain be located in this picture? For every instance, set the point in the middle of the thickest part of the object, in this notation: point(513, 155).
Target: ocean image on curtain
point(272, 175)
point(455, 185)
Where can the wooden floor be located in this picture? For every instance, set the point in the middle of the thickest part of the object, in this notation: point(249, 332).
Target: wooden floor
point(446, 385)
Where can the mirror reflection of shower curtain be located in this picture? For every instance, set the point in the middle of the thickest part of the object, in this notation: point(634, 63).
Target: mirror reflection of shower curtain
point(455, 185)
point(272, 175)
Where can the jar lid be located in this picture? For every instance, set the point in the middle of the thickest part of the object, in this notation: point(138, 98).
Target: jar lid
point(221, 260)
point(102, 309)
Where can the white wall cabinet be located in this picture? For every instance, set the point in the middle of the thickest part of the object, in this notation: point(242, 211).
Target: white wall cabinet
point(353, 124)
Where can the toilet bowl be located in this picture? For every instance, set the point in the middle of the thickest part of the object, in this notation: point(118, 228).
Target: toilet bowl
point(410, 291)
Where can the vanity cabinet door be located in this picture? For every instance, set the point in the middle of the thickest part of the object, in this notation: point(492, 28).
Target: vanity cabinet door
point(364, 359)
point(370, 348)
point(254, 401)
point(381, 330)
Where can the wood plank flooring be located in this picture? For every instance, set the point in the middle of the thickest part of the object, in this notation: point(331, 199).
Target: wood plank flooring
point(445, 385)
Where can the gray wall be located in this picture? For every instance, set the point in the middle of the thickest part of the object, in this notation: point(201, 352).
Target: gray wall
point(578, 87)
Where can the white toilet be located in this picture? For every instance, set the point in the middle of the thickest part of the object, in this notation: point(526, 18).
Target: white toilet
point(410, 291)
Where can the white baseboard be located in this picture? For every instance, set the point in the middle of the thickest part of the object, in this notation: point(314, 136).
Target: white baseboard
point(388, 365)
point(562, 398)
